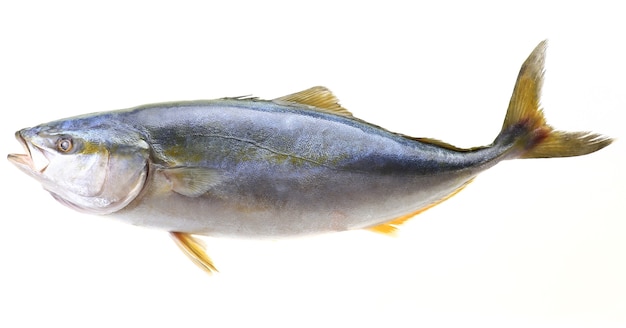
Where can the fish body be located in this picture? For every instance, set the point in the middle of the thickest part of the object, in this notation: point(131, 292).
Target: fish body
point(283, 170)
point(299, 164)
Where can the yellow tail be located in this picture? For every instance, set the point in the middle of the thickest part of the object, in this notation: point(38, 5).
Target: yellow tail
point(525, 127)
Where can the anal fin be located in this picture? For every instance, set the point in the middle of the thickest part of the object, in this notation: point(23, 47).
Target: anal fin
point(391, 227)
point(194, 249)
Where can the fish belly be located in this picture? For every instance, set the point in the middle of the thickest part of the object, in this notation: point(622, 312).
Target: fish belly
point(316, 203)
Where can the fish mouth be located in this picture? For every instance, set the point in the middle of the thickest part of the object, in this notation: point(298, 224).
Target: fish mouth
point(34, 160)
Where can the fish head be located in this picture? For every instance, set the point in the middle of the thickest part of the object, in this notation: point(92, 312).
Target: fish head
point(91, 164)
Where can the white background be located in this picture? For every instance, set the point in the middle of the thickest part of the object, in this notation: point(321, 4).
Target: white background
point(530, 243)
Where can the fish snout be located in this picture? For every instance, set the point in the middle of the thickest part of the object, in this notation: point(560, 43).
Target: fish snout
point(35, 158)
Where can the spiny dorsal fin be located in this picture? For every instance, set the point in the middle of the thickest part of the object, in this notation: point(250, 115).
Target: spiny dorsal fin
point(320, 98)
point(390, 228)
point(194, 249)
point(191, 181)
point(246, 97)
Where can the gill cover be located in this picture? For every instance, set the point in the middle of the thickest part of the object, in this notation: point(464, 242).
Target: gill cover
point(104, 182)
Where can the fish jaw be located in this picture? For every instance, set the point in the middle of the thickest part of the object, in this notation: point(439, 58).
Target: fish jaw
point(34, 161)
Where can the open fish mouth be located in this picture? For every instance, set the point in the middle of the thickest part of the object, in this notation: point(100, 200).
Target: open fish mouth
point(34, 160)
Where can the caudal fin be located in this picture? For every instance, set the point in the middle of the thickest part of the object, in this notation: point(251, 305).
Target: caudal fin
point(525, 129)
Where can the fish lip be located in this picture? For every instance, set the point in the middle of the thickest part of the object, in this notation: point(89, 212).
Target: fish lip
point(22, 141)
point(25, 161)
point(21, 159)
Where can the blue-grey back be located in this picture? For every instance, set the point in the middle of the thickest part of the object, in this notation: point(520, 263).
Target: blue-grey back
point(226, 132)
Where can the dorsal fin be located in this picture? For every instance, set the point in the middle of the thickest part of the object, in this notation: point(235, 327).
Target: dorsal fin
point(320, 98)
point(442, 144)
point(246, 97)
point(438, 143)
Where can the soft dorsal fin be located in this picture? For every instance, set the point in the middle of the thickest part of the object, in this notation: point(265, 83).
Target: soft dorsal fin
point(442, 144)
point(320, 98)
point(438, 143)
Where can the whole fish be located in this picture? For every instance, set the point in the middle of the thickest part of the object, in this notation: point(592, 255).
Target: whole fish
point(299, 164)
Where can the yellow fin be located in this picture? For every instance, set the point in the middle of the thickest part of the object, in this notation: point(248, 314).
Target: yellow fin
point(194, 249)
point(391, 227)
point(525, 125)
point(191, 181)
point(441, 144)
point(320, 98)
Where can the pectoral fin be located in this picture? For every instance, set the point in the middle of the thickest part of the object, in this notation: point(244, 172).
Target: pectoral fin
point(191, 181)
point(194, 249)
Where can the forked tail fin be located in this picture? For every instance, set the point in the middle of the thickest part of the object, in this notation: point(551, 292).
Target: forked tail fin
point(525, 129)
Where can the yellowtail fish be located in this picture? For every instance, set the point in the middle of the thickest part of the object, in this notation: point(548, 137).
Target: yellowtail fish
point(296, 165)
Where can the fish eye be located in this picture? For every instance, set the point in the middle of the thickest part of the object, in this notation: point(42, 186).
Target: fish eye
point(65, 144)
